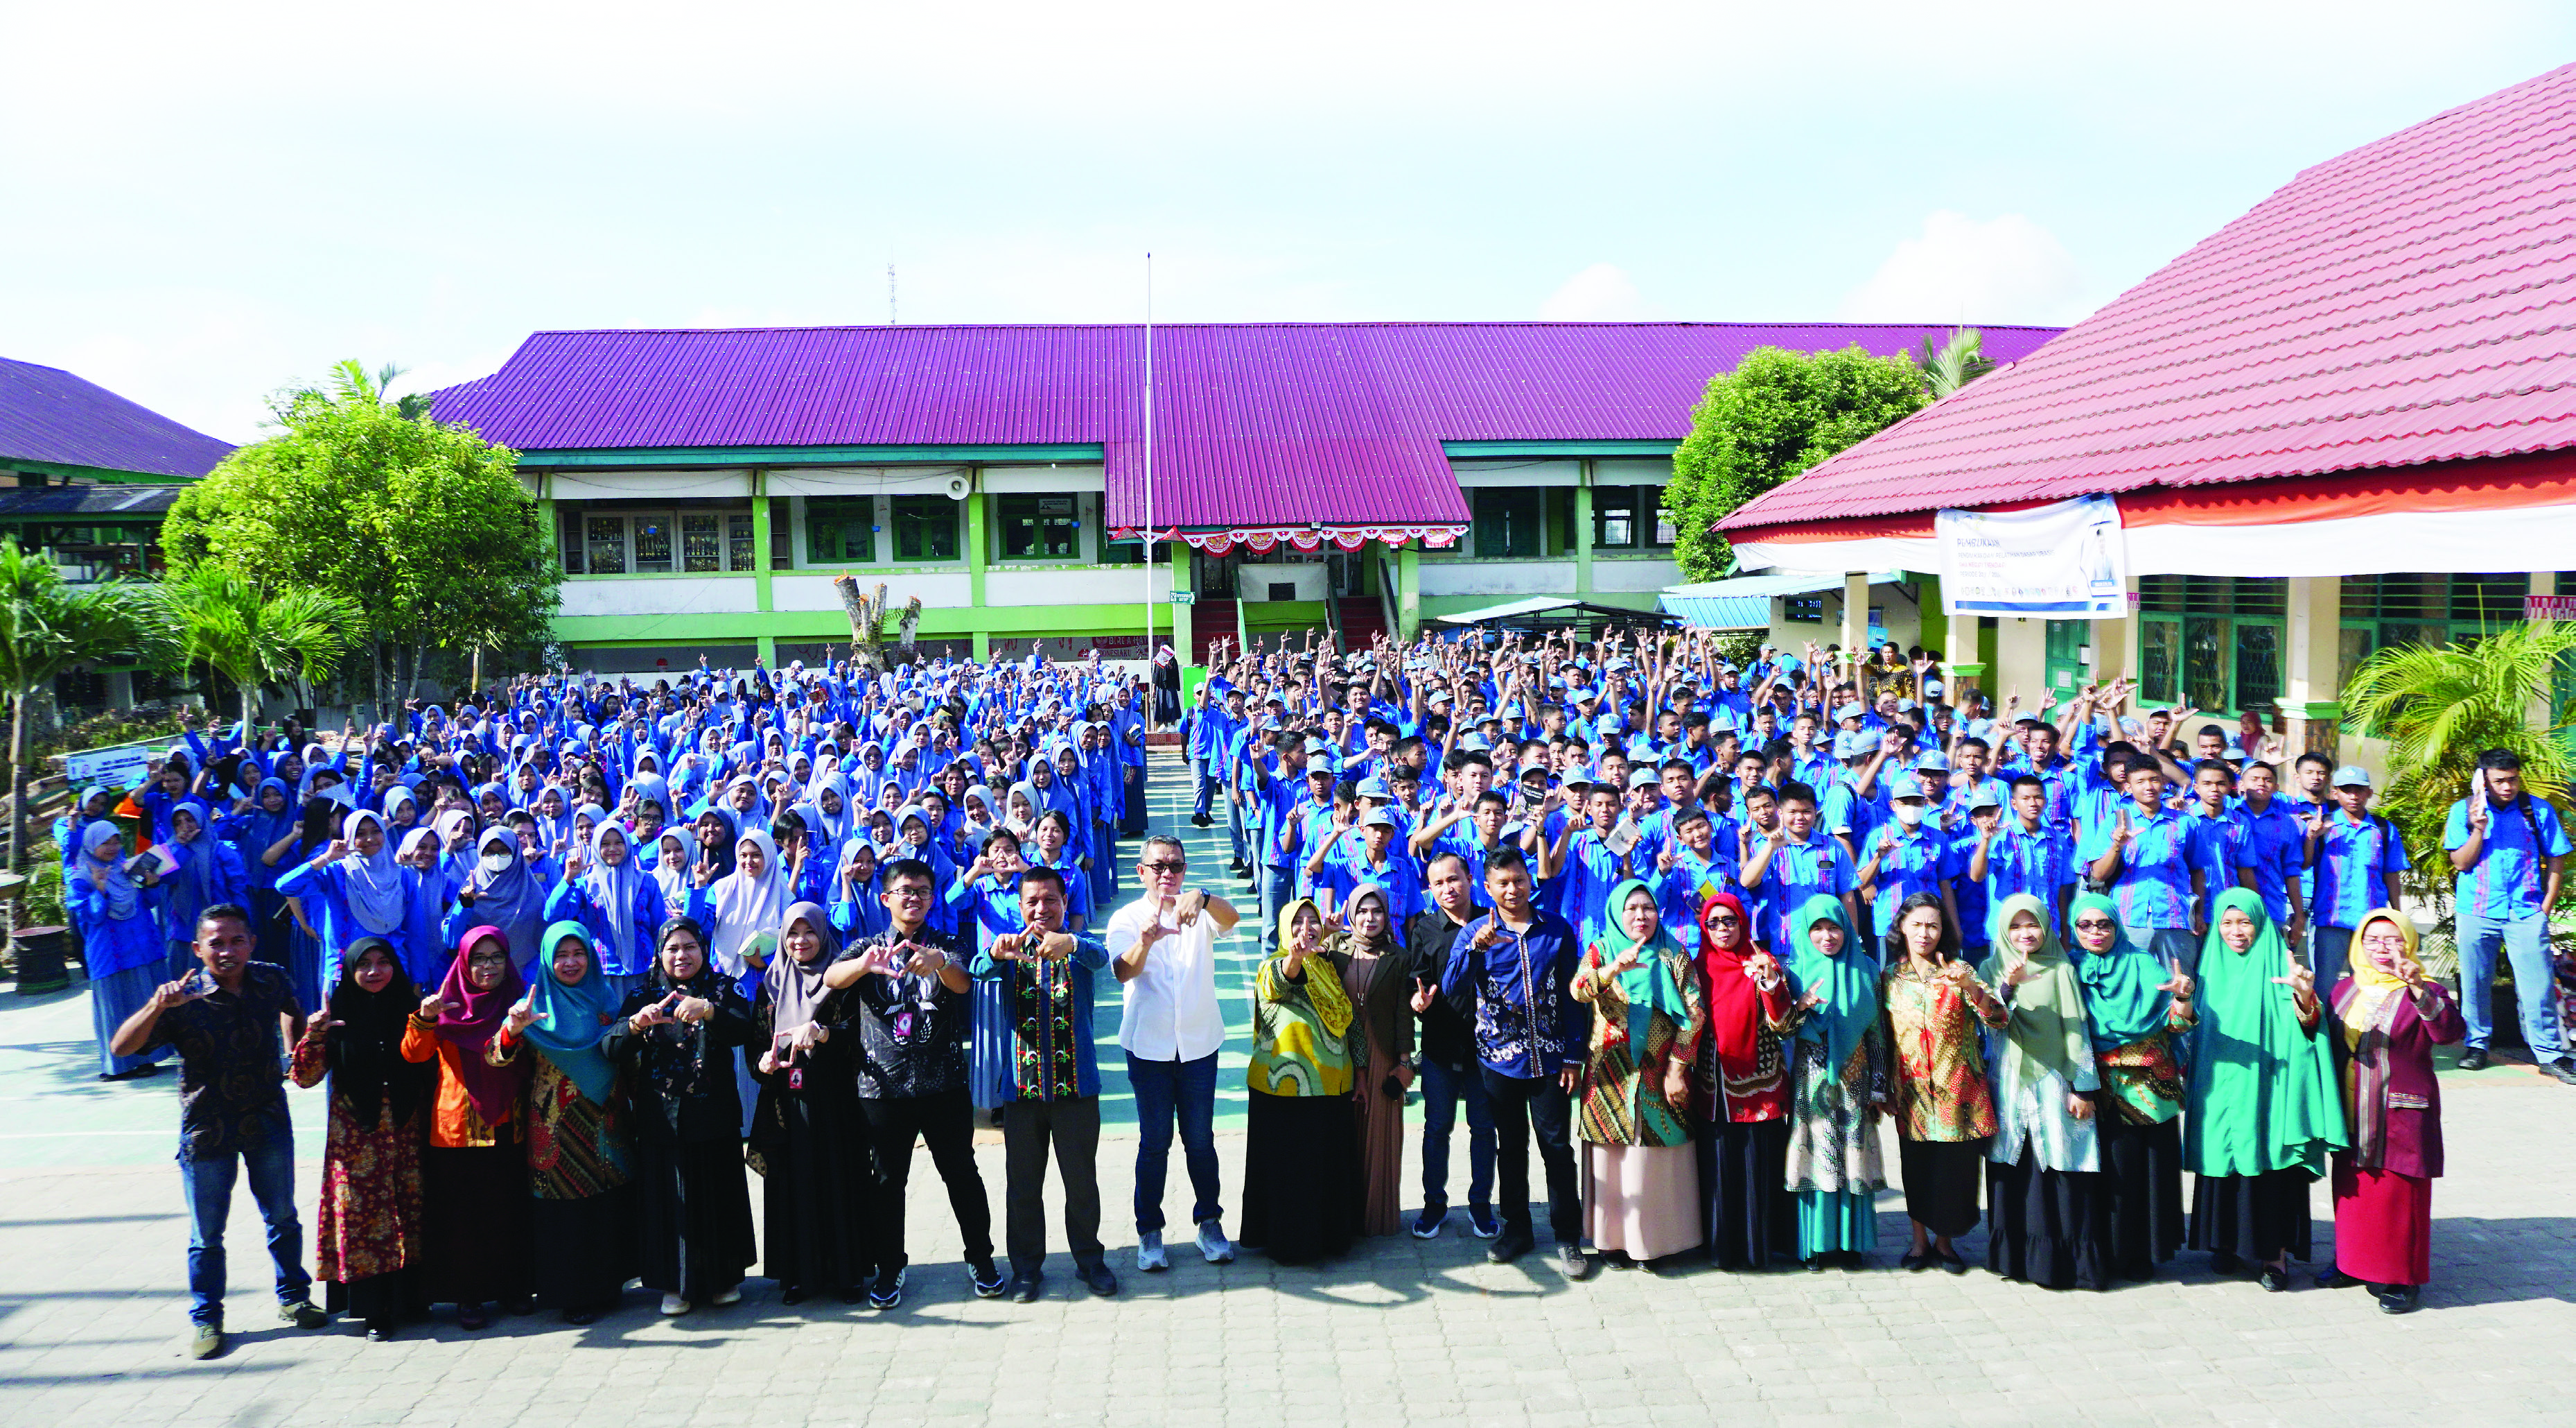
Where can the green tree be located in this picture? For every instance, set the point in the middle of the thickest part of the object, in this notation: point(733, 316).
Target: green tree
point(1955, 363)
point(2440, 706)
point(423, 528)
point(256, 638)
point(1775, 415)
point(52, 628)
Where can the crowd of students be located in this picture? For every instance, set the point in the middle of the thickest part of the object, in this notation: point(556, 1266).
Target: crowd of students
point(580, 949)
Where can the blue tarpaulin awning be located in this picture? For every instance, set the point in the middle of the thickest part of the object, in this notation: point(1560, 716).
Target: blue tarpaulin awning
point(1744, 603)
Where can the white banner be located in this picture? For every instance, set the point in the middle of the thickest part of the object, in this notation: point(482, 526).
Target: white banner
point(2064, 561)
point(122, 766)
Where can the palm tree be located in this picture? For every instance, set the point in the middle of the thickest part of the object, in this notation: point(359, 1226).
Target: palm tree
point(53, 627)
point(1955, 363)
point(2440, 706)
point(253, 637)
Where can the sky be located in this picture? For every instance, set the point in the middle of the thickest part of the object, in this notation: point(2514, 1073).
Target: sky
point(209, 203)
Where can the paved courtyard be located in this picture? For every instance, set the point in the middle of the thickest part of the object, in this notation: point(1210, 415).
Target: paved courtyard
point(92, 1307)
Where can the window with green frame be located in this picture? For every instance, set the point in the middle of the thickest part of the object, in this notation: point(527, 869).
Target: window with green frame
point(1118, 552)
point(2380, 611)
point(1630, 518)
point(1507, 522)
point(925, 528)
point(840, 529)
point(1042, 526)
point(2211, 641)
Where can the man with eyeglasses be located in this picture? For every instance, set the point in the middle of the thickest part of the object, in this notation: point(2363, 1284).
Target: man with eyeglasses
point(1163, 948)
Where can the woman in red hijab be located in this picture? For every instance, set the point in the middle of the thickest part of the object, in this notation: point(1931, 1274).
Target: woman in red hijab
point(1742, 1105)
point(474, 1178)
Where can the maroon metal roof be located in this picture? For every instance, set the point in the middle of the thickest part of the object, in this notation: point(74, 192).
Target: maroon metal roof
point(1256, 424)
point(48, 415)
point(2411, 301)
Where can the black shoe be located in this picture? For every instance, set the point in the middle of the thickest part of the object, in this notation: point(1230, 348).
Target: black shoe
point(2561, 1070)
point(2274, 1280)
point(2474, 1059)
point(989, 1281)
point(1098, 1278)
point(2333, 1278)
point(2400, 1298)
point(1671, 1266)
point(1915, 1261)
point(471, 1317)
point(1819, 1263)
point(1023, 1288)
point(791, 1294)
point(1426, 1226)
point(1512, 1245)
point(1616, 1259)
point(379, 1330)
point(887, 1292)
point(303, 1314)
point(1949, 1260)
point(2225, 1262)
point(1576, 1264)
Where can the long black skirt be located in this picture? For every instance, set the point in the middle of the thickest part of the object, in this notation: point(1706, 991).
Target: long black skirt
point(2142, 1192)
point(2047, 1227)
point(1941, 1182)
point(585, 1249)
point(1301, 1177)
point(818, 1180)
point(379, 1299)
point(1751, 1220)
point(2253, 1217)
point(476, 1223)
point(693, 1209)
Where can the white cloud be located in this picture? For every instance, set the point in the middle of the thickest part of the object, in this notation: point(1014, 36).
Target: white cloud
point(2004, 270)
point(1600, 293)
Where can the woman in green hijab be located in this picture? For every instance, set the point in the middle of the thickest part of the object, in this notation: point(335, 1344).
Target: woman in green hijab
point(2264, 1109)
point(2135, 1004)
point(578, 1166)
point(2045, 1219)
point(1839, 1083)
point(1640, 1178)
point(1301, 1168)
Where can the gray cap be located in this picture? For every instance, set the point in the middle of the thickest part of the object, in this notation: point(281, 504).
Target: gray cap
point(1377, 818)
point(2352, 776)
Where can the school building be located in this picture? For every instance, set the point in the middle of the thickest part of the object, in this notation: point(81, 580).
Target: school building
point(705, 486)
point(2344, 421)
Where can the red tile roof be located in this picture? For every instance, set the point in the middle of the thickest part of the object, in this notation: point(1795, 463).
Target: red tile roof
point(2411, 301)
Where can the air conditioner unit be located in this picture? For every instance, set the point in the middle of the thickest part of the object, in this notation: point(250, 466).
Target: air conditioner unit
point(1284, 582)
point(958, 486)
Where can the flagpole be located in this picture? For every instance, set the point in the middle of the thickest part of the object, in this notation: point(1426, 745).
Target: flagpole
point(1149, 486)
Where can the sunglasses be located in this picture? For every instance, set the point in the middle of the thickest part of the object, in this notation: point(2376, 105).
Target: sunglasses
point(2091, 924)
point(1163, 866)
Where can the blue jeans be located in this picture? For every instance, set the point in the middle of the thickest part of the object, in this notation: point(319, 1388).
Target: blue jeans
point(208, 1184)
point(1165, 1091)
point(1207, 788)
point(1442, 1089)
point(1278, 889)
point(1235, 839)
point(2526, 945)
point(2329, 953)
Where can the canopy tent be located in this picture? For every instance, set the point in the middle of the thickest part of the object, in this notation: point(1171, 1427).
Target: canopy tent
point(1540, 610)
point(1744, 602)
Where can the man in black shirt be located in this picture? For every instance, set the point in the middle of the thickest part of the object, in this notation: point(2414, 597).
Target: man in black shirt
point(231, 1022)
point(1448, 1057)
point(910, 990)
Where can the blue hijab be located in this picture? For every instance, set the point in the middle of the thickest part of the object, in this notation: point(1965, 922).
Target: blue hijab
point(1847, 981)
point(571, 1019)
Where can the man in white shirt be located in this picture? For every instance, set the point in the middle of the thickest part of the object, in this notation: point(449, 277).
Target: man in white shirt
point(1163, 948)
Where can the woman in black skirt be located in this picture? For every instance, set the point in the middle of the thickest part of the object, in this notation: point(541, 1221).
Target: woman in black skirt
point(808, 1138)
point(1301, 1165)
point(2045, 1222)
point(1741, 1110)
point(676, 1040)
point(1944, 1111)
point(2134, 1007)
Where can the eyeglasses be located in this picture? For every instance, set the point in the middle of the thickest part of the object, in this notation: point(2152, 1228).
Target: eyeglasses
point(1163, 866)
point(1725, 920)
point(2091, 924)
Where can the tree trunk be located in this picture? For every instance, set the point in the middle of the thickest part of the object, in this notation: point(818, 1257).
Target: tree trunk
point(866, 614)
point(18, 786)
point(411, 691)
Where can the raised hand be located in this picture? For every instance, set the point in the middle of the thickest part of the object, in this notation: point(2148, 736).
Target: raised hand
point(521, 1015)
point(2301, 981)
point(432, 1007)
point(1007, 946)
point(2121, 833)
point(2178, 984)
point(1424, 994)
point(1762, 968)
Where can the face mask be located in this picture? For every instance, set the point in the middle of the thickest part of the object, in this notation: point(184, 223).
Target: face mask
point(1909, 814)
